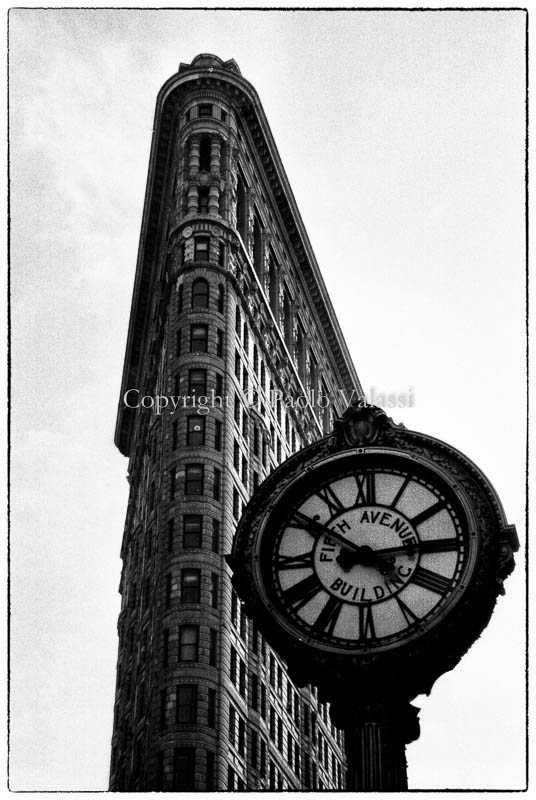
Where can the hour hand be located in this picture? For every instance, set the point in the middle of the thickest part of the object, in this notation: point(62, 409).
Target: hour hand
point(365, 556)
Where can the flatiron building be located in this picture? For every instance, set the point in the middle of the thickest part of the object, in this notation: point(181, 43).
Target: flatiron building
point(231, 327)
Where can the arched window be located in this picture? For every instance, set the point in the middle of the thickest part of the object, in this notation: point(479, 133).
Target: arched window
point(200, 293)
point(204, 154)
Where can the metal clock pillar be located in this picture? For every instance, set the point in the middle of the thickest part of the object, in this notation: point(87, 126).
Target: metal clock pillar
point(375, 737)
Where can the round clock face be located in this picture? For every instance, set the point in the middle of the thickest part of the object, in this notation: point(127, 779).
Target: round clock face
point(365, 553)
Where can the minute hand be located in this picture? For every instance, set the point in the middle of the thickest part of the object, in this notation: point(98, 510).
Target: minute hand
point(316, 529)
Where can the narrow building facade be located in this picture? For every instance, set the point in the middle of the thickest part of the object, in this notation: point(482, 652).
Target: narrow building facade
point(232, 328)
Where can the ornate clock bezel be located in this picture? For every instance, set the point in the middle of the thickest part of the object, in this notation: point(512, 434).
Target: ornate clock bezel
point(416, 663)
point(361, 459)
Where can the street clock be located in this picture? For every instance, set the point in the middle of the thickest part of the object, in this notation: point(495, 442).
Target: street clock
point(372, 559)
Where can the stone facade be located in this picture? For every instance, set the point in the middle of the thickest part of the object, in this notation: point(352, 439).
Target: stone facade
point(229, 305)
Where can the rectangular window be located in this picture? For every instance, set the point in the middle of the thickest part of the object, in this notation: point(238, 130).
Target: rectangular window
point(168, 590)
point(215, 536)
point(263, 701)
point(205, 110)
point(237, 409)
point(233, 665)
point(236, 504)
point(237, 365)
point(234, 607)
point(210, 771)
point(194, 479)
point(217, 434)
point(211, 708)
point(163, 708)
point(197, 382)
point(174, 434)
point(244, 472)
point(219, 343)
point(245, 422)
point(195, 431)
point(191, 585)
point(254, 692)
point(201, 246)
point(192, 530)
point(198, 338)
point(262, 765)
point(179, 342)
point(290, 750)
point(242, 679)
point(230, 779)
point(186, 703)
point(213, 648)
point(254, 752)
point(241, 736)
point(255, 440)
point(188, 642)
point(214, 588)
point(219, 385)
point(256, 480)
point(236, 456)
point(170, 533)
point(217, 484)
point(184, 768)
point(172, 483)
point(165, 647)
point(232, 724)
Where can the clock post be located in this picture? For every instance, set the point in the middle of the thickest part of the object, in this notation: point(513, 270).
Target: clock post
point(371, 561)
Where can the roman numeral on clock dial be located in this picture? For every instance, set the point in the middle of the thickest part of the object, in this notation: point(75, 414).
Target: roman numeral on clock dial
point(430, 580)
point(295, 562)
point(327, 619)
point(366, 622)
point(302, 521)
point(401, 491)
point(328, 496)
point(439, 545)
point(366, 489)
point(300, 593)
point(427, 513)
point(407, 613)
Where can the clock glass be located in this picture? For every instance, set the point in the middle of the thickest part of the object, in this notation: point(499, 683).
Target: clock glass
point(366, 553)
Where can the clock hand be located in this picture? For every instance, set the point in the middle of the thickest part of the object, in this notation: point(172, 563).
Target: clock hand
point(366, 556)
point(317, 528)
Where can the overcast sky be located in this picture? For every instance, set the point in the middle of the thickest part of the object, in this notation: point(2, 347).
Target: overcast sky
point(402, 135)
